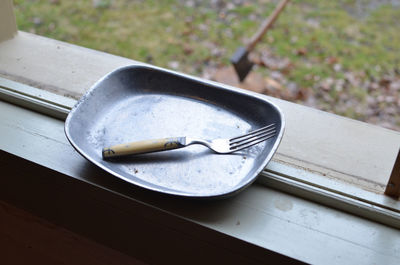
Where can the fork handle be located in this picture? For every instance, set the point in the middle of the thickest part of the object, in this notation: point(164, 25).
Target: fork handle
point(142, 147)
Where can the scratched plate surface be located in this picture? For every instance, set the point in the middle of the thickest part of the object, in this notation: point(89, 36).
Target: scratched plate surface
point(139, 102)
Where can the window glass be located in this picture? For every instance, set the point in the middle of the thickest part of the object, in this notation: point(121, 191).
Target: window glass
point(337, 56)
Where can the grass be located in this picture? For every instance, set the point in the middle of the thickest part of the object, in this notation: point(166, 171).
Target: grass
point(163, 31)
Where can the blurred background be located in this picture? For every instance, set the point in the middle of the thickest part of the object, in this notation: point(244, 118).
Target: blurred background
point(338, 56)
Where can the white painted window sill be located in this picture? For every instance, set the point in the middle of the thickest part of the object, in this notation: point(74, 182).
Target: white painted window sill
point(322, 157)
point(342, 154)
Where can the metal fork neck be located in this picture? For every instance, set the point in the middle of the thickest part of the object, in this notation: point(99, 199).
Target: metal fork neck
point(190, 141)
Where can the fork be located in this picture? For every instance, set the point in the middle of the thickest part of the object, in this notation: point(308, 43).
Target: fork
point(220, 146)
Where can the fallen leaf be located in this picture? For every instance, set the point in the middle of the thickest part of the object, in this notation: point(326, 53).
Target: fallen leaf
point(187, 49)
point(271, 84)
point(332, 60)
point(301, 51)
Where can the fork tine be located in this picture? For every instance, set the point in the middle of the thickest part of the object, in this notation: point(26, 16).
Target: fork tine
point(243, 146)
point(252, 132)
point(252, 141)
point(251, 144)
point(259, 132)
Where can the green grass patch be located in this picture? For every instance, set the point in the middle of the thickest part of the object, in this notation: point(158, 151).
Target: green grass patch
point(162, 31)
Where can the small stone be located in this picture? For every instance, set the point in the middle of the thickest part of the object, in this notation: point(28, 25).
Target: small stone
point(37, 21)
point(337, 67)
point(101, 3)
point(190, 3)
point(395, 85)
point(173, 64)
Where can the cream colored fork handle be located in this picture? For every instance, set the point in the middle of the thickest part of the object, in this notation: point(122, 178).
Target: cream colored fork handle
point(145, 146)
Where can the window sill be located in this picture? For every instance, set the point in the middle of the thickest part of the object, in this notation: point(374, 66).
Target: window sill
point(268, 220)
point(334, 144)
point(329, 148)
point(45, 175)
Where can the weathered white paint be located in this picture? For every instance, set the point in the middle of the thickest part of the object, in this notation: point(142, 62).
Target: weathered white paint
point(340, 148)
point(53, 65)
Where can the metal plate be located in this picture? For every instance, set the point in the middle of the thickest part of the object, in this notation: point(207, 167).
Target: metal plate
point(140, 102)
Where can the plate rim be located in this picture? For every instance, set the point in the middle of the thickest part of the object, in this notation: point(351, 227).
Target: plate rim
point(214, 84)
